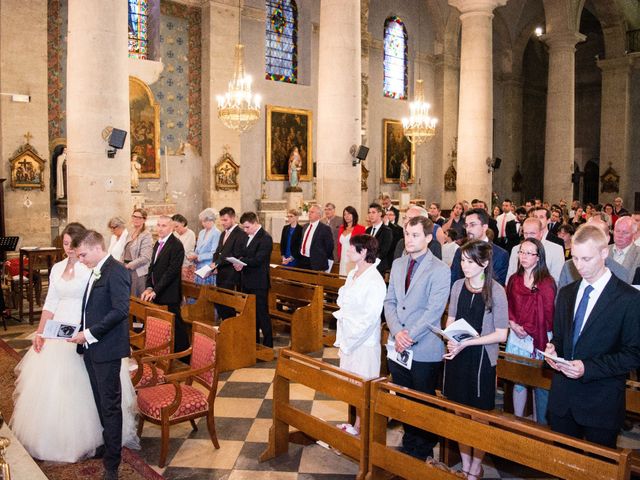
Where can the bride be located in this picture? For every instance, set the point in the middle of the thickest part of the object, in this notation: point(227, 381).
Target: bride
point(55, 416)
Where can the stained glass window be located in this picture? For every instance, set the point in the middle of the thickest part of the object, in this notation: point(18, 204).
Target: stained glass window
point(281, 41)
point(138, 11)
point(395, 59)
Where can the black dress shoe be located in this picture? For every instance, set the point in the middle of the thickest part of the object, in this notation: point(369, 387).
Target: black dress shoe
point(110, 475)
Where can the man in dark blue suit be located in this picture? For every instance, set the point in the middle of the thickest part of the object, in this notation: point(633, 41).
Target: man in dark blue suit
point(317, 243)
point(476, 223)
point(596, 329)
point(104, 338)
point(254, 277)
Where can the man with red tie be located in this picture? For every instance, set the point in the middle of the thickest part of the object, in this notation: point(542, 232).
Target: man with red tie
point(317, 243)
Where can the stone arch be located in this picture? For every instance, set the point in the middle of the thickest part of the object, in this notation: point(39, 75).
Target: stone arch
point(613, 25)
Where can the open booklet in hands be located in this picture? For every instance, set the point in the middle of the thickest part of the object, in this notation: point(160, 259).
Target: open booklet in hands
point(459, 331)
point(55, 329)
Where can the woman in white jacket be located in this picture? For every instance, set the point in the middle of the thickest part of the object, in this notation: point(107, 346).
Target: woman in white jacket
point(360, 300)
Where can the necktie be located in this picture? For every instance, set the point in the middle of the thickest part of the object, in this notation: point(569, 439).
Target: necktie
point(578, 320)
point(504, 221)
point(373, 231)
point(226, 235)
point(306, 237)
point(407, 280)
point(160, 245)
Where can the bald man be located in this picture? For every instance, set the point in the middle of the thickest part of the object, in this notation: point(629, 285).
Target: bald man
point(623, 250)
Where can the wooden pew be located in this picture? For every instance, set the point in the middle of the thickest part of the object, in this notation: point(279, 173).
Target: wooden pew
point(299, 305)
point(330, 380)
point(236, 346)
point(519, 441)
point(137, 310)
point(330, 283)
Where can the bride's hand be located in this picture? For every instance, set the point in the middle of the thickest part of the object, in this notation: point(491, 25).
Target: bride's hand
point(37, 342)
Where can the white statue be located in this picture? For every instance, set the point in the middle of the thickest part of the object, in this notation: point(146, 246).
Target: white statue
point(60, 161)
point(135, 172)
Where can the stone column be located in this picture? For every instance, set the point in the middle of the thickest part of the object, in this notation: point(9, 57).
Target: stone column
point(559, 142)
point(475, 118)
point(511, 138)
point(615, 123)
point(219, 38)
point(339, 97)
point(97, 97)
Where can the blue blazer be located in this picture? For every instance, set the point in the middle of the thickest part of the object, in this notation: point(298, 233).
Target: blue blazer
point(500, 265)
point(205, 250)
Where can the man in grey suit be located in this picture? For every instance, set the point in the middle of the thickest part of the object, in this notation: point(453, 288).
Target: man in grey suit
point(417, 295)
point(623, 250)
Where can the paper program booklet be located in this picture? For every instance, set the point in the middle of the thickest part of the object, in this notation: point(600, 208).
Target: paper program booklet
point(459, 331)
point(55, 329)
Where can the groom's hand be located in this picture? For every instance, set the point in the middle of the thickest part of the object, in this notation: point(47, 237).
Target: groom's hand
point(79, 338)
point(148, 295)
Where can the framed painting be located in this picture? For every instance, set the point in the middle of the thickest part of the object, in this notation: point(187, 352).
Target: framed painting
point(397, 150)
point(288, 129)
point(27, 169)
point(145, 128)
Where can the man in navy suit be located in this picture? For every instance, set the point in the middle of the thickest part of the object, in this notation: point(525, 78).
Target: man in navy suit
point(317, 243)
point(164, 280)
point(104, 338)
point(382, 234)
point(255, 274)
point(476, 223)
point(596, 329)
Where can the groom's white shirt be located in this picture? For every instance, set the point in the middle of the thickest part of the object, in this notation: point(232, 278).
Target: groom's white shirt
point(87, 334)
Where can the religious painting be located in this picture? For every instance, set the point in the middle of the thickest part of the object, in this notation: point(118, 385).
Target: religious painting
point(226, 173)
point(610, 180)
point(145, 128)
point(27, 169)
point(289, 138)
point(398, 154)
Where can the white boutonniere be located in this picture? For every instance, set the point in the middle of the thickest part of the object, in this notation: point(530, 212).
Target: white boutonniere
point(97, 274)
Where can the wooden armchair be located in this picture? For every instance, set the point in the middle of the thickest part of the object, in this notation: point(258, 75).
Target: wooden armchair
point(156, 339)
point(178, 400)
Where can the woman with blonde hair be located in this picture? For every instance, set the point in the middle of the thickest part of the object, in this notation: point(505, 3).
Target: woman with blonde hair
point(137, 251)
point(118, 240)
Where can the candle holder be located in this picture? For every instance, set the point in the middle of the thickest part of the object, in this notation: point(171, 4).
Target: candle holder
point(5, 471)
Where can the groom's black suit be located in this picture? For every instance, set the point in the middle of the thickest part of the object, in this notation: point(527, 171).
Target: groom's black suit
point(106, 316)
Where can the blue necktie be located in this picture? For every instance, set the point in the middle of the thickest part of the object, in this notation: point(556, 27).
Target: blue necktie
point(580, 314)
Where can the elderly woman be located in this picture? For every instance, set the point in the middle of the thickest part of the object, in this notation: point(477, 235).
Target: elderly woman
point(137, 252)
point(118, 239)
point(206, 245)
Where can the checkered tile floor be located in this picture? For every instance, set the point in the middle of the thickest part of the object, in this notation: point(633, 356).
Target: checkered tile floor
point(243, 418)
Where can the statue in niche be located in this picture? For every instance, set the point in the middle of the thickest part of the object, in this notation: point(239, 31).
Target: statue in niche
point(295, 165)
point(404, 174)
point(61, 177)
point(136, 167)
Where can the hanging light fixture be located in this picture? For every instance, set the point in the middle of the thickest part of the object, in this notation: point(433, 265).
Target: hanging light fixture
point(419, 127)
point(239, 108)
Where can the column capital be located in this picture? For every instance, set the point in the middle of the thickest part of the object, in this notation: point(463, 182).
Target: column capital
point(618, 63)
point(563, 40)
point(477, 6)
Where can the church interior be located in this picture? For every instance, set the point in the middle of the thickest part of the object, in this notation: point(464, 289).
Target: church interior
point(110, 105)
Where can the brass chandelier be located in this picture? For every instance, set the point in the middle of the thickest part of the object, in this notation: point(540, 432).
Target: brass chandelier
point(419, 127)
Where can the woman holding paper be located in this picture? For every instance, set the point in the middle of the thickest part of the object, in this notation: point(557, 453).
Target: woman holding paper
point(360, 300)
point(55, 415)
point(470, 369)
point(206, 245)
point(531, 293)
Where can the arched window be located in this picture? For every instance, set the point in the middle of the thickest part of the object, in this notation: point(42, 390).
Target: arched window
point(281, 41)
point(395, 59)
point(138, 14)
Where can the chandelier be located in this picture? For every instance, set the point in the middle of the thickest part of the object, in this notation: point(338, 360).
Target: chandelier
point(419, 127)
point(239, 108)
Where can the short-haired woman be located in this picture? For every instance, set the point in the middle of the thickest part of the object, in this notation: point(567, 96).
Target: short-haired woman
point(206, 245)
point(360, 300)
point(291, 239)
point(118, 239)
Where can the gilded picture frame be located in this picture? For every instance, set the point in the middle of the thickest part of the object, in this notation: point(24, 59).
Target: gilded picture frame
point(145, 128)
point(288, 128)
point(395, 149)
point(27, 169)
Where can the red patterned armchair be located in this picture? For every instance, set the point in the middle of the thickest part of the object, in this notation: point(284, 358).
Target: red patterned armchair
point(156, 339)
point(178, 400)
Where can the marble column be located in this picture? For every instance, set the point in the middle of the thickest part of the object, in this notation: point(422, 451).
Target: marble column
point(559, 142)
point(339, 97)
point(97, 97)
point(511, 137)
point(475, 118)
point(615, 125)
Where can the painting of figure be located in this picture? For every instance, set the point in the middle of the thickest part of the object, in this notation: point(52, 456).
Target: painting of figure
point(288, 129)
point(397, 150)
point(145, 128)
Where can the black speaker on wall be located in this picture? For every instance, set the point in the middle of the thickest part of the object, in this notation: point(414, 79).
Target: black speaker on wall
point(117, 138)
point(496, 163)
point(362, 152)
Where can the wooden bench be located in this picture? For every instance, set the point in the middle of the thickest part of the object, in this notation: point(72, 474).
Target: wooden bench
point(520, 441)
point(330, 380)
point(330, 282)
point(138, 308)
point(299, 306)
point(236, 335)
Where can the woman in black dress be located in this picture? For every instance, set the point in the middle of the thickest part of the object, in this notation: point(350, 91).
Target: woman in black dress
point(291, 239)
point(470, 370)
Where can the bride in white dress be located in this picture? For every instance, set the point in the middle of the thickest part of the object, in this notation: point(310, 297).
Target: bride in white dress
point(55, 416)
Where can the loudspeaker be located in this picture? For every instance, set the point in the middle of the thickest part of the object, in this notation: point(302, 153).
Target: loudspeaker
point(117, 138)
point(496, 163)
point(362, 152)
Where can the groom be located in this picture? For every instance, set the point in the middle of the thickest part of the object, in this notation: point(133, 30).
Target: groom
point(104, 338)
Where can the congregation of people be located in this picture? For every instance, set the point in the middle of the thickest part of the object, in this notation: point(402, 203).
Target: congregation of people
point(551, 281)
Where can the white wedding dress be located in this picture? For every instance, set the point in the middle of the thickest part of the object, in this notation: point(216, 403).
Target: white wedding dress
point(55, 416)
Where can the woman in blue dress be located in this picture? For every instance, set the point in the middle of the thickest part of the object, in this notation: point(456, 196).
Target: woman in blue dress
point(206, 245)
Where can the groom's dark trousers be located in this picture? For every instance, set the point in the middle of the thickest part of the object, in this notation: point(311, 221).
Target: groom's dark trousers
point(106, 316)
